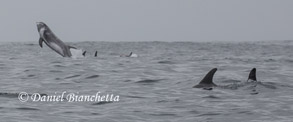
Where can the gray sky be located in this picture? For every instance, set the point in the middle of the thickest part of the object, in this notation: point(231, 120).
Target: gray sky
point(148, 20)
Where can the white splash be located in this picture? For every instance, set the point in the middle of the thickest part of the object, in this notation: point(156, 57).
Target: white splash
point(133, 55)
point(76, 53)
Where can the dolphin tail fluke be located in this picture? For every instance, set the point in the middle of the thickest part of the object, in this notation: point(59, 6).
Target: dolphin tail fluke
point(252, 75)
point(84, 53)
point(207, 81)
point(96, 53)
point(41, 42)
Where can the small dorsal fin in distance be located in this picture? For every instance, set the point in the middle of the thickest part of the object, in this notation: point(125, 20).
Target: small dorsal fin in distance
point(207, 81)
point(41, 42)
point(252, 75)
point(96, 53)
point(130, 54)
point(84, 53)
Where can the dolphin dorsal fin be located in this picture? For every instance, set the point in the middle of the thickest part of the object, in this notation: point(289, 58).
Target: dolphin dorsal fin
point(252, 75)
point(207, 81)
point(41, 42)
point(84, 53)
point(130, 54)
point(96, 53)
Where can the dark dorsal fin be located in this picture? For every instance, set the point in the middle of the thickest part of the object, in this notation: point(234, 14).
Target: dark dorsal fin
point(130, 54)
point(252, 75)
point(207, 81)
point(96, 53)
point(41, 42)
point(84, 53)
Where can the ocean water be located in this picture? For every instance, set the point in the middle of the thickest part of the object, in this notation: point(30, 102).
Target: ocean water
point(154, 87)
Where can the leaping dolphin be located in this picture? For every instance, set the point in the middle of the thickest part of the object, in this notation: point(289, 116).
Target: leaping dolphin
point(52, 41)
point(207, 82)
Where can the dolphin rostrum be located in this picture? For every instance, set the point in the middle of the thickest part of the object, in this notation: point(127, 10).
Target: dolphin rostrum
point(52, 41)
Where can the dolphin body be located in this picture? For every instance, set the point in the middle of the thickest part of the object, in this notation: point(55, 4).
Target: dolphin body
point(52, 41)
point(208, 84)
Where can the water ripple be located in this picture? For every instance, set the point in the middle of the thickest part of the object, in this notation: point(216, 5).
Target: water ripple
point(92, 77)
point(148, 81)
point(73, 76)
point(27, 109)
point(102, 103)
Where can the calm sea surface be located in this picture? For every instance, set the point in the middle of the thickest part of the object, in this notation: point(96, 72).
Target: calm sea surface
point(156, 86)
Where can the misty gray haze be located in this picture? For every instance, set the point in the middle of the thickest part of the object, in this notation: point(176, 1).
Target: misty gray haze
point(148, 20)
